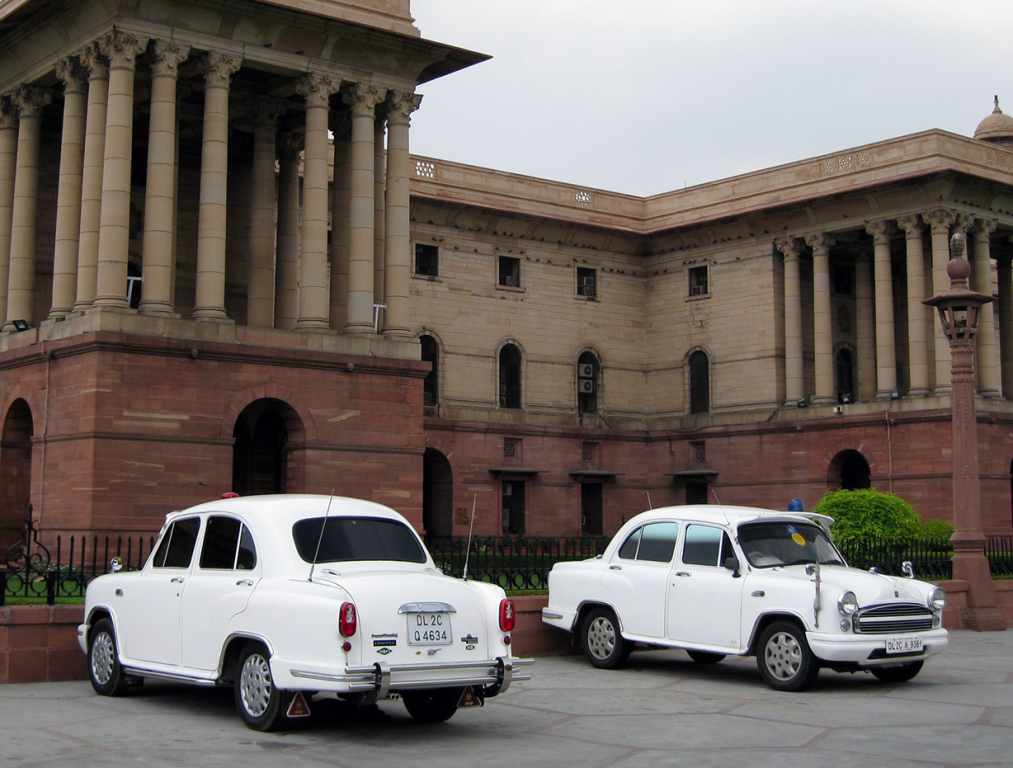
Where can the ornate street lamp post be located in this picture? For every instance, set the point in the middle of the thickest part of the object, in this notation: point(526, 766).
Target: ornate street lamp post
point(959, 310)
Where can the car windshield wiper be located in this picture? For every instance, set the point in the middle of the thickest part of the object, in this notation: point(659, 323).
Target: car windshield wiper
point(802, 561)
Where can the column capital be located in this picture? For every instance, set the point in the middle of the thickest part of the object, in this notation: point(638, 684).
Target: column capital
point(911, 225)
point(72, 74)
point(30, 100)
point(820, 242)
point(122, 48)
point(880, 231)
point(264, 111)
point(939, 220)
point(317, 88)
point(401, 104)
point(363, 98)
point(963, 221)
point(95, 61)
point(340, 123)
point(790, 247)
point(166, 56)
point(289, 146)
point(981, 229)
point(218, 68)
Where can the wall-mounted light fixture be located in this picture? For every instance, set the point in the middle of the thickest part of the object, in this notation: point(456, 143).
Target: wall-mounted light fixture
point(21, 325)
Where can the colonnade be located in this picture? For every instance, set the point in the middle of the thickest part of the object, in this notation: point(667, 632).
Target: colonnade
point(875, 335)
point(295, 280)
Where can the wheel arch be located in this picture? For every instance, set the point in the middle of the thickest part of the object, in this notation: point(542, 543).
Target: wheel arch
point(96, 615)
point(589, 605)
point(231, 649)
point(765, 620)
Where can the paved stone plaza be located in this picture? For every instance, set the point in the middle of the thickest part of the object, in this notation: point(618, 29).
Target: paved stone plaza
point(663, 710)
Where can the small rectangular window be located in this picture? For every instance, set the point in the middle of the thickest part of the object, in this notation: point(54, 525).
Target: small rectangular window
point(696, 493)
point(698, 281)
point(843, 279)
point(510, 271)
point(587, 282)
point(427, 260)
point(590, 509)
point(513, 507)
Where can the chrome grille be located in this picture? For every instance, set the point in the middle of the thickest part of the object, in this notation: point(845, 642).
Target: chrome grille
point(893, 618)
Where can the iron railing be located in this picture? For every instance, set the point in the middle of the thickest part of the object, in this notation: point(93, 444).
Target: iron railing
point(999, 551)
point(929, 558)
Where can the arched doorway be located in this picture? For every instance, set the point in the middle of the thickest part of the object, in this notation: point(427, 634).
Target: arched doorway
point(260, 453)
point(437, 495)
point(15, 472)
point(849, 471)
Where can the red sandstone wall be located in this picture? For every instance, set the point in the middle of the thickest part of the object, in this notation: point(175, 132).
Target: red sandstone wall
point(39, 644)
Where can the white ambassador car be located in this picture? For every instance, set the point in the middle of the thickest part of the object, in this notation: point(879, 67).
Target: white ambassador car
point(283, 597)
point(718, 580)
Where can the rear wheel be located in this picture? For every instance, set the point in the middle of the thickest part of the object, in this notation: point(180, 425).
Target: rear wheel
point(604, 646)
point(705, 657)
point(783, 656)
point(261, 705)
point(433, 706)
point(104, 670)
point(899, 674)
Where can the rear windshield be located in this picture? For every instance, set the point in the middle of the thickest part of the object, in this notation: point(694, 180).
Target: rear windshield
point(356, 538)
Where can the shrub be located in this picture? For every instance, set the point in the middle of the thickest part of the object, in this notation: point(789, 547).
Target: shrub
point(937, 530)
point(865, 514)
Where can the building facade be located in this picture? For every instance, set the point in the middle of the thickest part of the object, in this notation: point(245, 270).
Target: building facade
point(221, 269)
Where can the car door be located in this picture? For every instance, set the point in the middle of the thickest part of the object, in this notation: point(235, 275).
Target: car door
point(638, 575)
point(148, 617)
point(704, 597)
point(220, 586)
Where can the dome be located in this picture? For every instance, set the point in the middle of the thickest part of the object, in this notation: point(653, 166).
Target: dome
point(996, 128)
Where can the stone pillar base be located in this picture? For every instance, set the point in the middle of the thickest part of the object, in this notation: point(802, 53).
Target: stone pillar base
point(984, 619)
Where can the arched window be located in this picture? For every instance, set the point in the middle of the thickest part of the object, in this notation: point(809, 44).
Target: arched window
point(431, 355)
point(699, 383)
point(15, 472)
point(587, 383)
point(845, 377)
point(260, 452)
point(509, 377)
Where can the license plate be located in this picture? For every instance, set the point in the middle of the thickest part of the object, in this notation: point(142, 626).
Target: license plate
point(903, 644)
point(429, 629)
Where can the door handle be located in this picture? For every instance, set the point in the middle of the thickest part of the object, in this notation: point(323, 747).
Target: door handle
point(176, 580)
point(244, 583)
point(615, 567)
point(683, 574)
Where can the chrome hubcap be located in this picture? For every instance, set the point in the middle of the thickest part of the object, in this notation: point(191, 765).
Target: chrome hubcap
point(601, 638)
point(103, 656)
point(783, 656)
point(255, 685)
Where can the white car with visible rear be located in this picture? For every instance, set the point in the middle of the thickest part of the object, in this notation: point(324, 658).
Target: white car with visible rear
point(290, 596)
point(719, 581)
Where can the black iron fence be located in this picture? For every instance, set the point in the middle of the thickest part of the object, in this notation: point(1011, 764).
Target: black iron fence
point(930, 559)
point(999, 551)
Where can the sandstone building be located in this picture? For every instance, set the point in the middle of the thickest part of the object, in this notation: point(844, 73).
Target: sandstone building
point(221, 269)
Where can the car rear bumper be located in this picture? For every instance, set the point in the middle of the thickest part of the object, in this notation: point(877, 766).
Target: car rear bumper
point(870, 650)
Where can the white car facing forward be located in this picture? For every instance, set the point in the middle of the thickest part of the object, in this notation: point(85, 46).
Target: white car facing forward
point(720, 581)
point(283, 597)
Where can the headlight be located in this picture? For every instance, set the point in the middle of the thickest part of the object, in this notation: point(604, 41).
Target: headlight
point(936, 599)
point(847, 603)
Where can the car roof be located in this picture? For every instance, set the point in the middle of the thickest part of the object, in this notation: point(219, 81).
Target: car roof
point(289, 507)
point(724, 514)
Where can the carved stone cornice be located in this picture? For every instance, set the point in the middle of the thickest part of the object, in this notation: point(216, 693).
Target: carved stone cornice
point(317, 89)
point(122, 48)
point(790, 247)
point(166, 57)
point(30, 100)
point(939, 220)
point(363, 98)
point(95, 61)
point(981, 229)
point(218, 68)
point(911, 225)
point(289, 146)
point(340, 123)
point(73, 75)
point(820, 242)
point(264, 111)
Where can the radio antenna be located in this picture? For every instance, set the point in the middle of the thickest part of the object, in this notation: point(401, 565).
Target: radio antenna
point(471, 527)
point(649, 504)
point(320, 538)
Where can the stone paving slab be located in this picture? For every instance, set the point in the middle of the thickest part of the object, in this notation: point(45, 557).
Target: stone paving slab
point(662, 711)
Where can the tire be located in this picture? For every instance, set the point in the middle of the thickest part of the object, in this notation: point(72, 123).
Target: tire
point(900, 674)
point(783, 656)
point(603, 644)
point(705, 657)
point(104, 670)
point(433, 706)
point(260, 704)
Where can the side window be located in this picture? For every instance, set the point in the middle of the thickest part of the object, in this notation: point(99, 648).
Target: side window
point(176, 549)
point(726, 549)
point(658, 542)
point(702, 546)
point(628, 551)
point(246, 558)
point(221, 539)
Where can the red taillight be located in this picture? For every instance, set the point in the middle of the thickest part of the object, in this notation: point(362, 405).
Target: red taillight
point(347, 620)
point(506, 615)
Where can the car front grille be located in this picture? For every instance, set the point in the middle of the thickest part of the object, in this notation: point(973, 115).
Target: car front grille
point(892, 618)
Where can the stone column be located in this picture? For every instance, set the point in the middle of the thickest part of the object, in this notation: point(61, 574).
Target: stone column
point(886, 351)
point(1004, 269)
point(985, 342)
point(865, 327)
point(823, 329)
point(286, 292)
point(8, 166)
point(122, 51)
point(314, 312)
point(363, 100)
point(213, 212)
point(91, 179)
point(160, 193)
point(341, 127)
point(260, 287)
point(397, 245)
point(379, 210)
point(794, 382)
point(917, 332)
point(939, 223)
point(30, 102)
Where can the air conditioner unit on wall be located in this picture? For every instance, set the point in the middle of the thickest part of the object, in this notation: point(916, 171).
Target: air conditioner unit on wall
point(698, 290)
point(585, 370)
point(510, 280)
point(585, 386)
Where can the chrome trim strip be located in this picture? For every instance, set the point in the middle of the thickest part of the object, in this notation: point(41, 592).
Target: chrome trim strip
point(547, 614)
point(168, 676)
point(427, 608)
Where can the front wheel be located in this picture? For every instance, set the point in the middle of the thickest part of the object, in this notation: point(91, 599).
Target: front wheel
point(785, 661)
point(261, 705)
point(434, 706)
point(604, 646)
point(104, 670)
point(899, 674)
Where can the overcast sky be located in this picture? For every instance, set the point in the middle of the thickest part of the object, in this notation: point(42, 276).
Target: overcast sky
point(647, 96)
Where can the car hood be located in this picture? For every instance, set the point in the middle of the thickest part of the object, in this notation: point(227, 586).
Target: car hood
point(870, 588)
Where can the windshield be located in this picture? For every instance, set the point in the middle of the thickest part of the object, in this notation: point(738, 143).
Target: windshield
point(356, 538)
point(767, 545)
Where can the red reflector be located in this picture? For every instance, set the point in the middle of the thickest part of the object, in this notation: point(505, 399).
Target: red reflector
point(298, 707)
point(506, 615)
point(470, 698)
point(230, 495)
point(506, 640)
point(346, 646)
point(347, 620)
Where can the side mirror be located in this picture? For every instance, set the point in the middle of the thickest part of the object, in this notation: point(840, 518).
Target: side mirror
point(116, 564)
point(732, 564)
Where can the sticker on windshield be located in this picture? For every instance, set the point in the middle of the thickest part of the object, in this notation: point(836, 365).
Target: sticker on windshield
point(797, 537)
